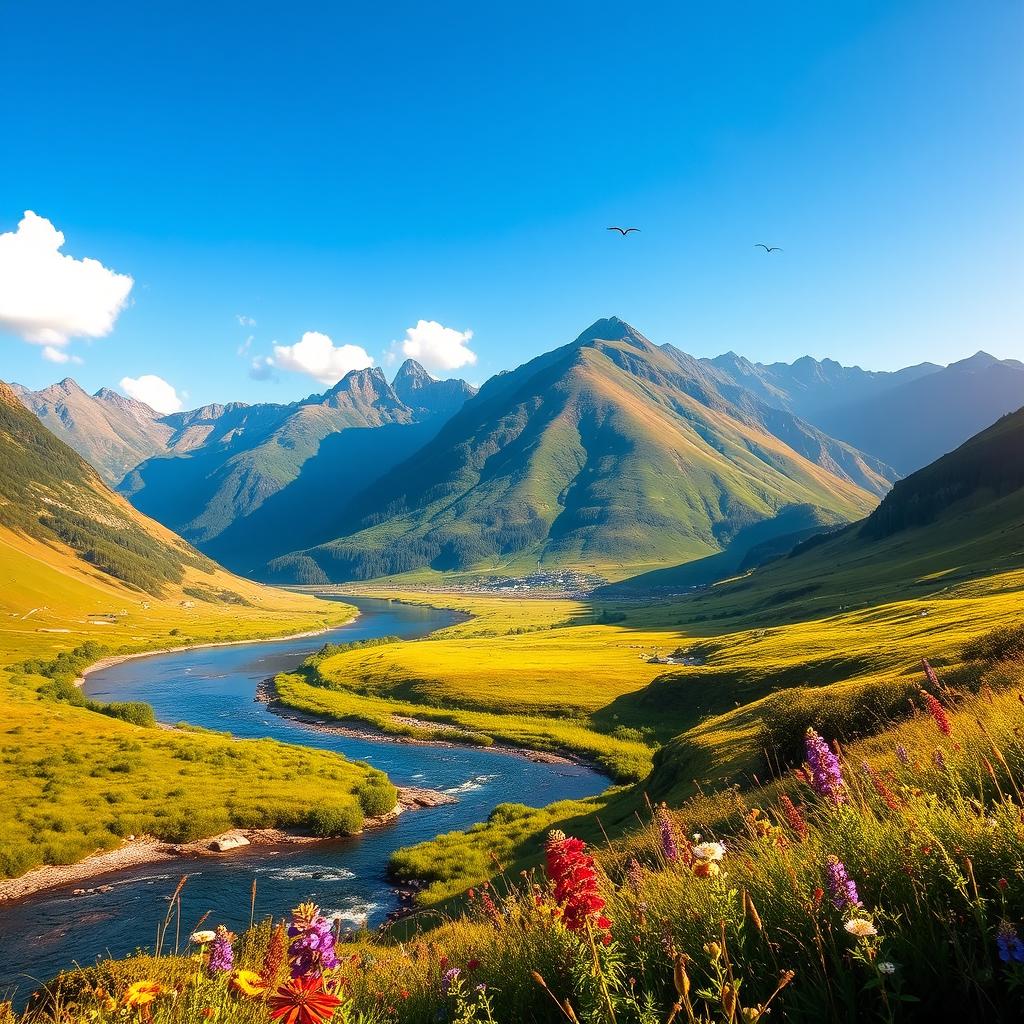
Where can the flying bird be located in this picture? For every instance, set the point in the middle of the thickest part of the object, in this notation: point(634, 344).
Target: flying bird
point(768, 248)
point(623, 231)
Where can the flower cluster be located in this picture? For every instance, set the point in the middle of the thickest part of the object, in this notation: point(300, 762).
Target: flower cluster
point(311, 950)
point(669, 846)
point(571, 869)
point(222, 956)
point(842, 889)
point(938, 712)
point(1011, 949)
point(794, 818)
point(826, 772)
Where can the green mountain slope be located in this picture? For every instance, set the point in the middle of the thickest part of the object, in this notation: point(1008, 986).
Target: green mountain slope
point(50, 494)
point(957, 520)
point(607, 454)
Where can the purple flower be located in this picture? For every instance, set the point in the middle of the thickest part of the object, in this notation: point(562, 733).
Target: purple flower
point(1011, 949)
point(634, 874)
point(222, 956)
point(669, 846)
point(842, 889)
point(939, 758)
point(311, 951)
point(826, 772)
point(901, 753)
point(448, 979)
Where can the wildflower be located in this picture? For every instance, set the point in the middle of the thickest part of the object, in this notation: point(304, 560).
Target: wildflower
point(706, 869)
point(860, 927)
point(472, 963)
point(826, 772)
point(886, 967)
point(1011, 949)
point(842, 889)
point(572, 871)
point(901, 753)
point(303, 1001)
point(929, 673)
point(311, 950)
point(888, 796)
point(448, 979)
point(939, 760)
point(275, 957)
point(635, 874)
point(222, 956)
point(669, 847)
point(709, 851)
point(249, 983)
point(938, 712)
point(793, 817)
point(142, 993)
point(202, 938)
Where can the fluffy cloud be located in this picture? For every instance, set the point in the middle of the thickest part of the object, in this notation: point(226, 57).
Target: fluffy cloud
point(245, 321)
point(56, 355)
point(437, 347)
point(47, 297)
point(152, 390)
point(316, 355)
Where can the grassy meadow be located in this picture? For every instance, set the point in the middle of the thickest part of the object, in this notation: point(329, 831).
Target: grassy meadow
point(77, 781)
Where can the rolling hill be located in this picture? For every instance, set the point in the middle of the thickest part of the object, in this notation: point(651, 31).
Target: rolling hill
point(607, 454)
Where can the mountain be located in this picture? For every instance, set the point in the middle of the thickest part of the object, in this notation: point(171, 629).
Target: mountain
point(912, 424)
point(809, 387)
point(247, 483)
point(50, 495)
point(607, 453)
point(111, 432)
point(961, 518)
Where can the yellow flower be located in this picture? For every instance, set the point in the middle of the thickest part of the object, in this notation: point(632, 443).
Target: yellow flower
point(249, 983)
point(141, 993)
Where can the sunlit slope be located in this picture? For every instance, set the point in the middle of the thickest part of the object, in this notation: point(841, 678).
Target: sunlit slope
point(601, 455)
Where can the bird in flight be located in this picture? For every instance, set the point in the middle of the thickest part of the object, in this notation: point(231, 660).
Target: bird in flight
point(767, 248)
point(623, 231)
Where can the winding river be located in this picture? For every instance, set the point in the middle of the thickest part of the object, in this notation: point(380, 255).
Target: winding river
point(214, 687)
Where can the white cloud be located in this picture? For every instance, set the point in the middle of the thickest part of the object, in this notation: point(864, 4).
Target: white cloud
point(48, 298)
point(243, 349)
point(245, 321)
point(437, 347)
point(315, 354)
point(152, 390)
point(261, 368)
point(56, 355)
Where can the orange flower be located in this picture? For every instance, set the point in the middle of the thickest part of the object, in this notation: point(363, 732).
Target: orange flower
point(249, 983)
point(705, 869)
point(142, 993)
point(303, 1001)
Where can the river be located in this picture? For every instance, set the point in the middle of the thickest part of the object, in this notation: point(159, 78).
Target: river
point(214, 687)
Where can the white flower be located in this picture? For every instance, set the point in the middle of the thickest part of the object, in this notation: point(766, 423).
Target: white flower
point(887, 967)
point(201, 938)
point(861, 927)
point(709, 851)
point(696, 837)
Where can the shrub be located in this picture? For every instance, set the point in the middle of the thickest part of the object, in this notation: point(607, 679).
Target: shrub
point(335, 820)
point(135, 712)
point(377, 795)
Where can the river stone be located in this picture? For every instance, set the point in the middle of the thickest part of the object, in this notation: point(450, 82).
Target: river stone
point(229, 842)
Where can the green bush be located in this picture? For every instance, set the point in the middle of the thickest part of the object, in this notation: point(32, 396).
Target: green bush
point(135, 712)
point(377, 795)
point(335, 820)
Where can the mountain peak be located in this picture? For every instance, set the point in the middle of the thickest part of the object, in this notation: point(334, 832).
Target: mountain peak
point(411, 374)
point(981, 360)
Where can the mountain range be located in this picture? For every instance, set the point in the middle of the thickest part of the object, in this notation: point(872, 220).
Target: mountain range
point(610, 454)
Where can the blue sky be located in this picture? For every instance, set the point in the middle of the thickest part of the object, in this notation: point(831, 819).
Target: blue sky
point(354, 169)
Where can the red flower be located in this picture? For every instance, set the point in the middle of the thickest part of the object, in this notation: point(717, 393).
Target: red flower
point(794, 818)
point(572, 871)
point(472, 964)
point(938, 712)
point(303, 1001)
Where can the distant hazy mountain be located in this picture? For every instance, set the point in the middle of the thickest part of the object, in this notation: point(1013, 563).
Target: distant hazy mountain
point(49, 493)
point(809, 387)
point(111, 432)
point(226, 462)
point(907, 418)
point(915, 422)
point(607, 453)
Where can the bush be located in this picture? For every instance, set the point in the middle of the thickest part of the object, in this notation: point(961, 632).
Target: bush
point(841, 712)
point(135, 712)
point(377, 795)
point(329, 820)
point(1003, 644)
